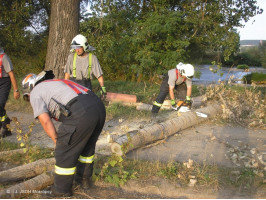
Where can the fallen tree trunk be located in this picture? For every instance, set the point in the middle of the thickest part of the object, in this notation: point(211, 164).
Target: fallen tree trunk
point(162, 130)
point(10, 152)
point(32, 186)
point(27, 171)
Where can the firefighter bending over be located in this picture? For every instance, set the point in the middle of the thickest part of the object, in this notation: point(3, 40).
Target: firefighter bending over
point(82, 116)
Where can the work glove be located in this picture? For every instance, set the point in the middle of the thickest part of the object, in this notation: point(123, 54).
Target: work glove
point(173, 103)
point(188, 102)
point(103, 92)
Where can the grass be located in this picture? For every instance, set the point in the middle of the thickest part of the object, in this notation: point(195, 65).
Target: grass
point(6, 146)
point(259, 78)
point(209, 176)
point(242, 66)
point(18, 104)
point(36, 153)
point(117, 110)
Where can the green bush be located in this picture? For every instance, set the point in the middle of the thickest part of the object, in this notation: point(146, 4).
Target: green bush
point(255, 77)
point(244, 66)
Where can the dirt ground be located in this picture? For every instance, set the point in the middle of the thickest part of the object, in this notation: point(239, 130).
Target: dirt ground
point(222, 145)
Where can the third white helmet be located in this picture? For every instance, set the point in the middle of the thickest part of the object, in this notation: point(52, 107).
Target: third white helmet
point(186, 70)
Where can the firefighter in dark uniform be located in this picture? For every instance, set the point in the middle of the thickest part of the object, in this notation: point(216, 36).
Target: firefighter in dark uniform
point(82, 115)
point(7, 78)
point(180, 79)
point(81, 64)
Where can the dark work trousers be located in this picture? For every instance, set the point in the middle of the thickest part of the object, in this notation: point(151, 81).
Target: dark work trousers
point(5, 86)
point(86, 82)
point(164, 91)
point(77, 135)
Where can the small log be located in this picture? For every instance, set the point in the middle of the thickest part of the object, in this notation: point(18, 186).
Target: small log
point(27, 171)
point(144, 106)
point(124, 103)
point(10, 152)
point(121, 97)
point(111, 138)
point(160, 131)
point(32, 186)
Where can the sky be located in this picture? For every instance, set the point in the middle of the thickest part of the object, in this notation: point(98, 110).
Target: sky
point(255, 30)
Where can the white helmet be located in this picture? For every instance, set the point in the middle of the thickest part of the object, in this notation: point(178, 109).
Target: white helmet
point(81, 41)
point(186, 70)
point(30, 81)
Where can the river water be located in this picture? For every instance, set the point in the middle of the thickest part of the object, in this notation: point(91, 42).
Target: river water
point(207, 76)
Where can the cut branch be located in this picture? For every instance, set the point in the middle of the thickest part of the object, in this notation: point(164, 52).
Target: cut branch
point(34, 185)
point(27, 171)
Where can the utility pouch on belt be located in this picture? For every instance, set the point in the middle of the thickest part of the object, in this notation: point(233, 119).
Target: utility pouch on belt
point(62, 109)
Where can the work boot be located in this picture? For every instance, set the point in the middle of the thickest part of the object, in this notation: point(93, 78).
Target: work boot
point(5, 132)
point(153, 117)
point(83, 183)
point(55, 193)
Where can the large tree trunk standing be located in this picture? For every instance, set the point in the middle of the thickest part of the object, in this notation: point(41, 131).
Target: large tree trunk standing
point(64, 25)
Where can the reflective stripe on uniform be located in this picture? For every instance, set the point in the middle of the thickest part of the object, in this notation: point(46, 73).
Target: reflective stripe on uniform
point(74, 65)
point(72, 85)
point(90, 63)
point(2, 119)
point(1, 57)
point(64, 171)
point(83, 159)
point(157, 104)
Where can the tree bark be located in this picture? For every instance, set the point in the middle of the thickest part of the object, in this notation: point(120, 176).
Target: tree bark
point(34, 185)
point(10, 152)
point(64, 25)
point(162, 130)
point(27, 171)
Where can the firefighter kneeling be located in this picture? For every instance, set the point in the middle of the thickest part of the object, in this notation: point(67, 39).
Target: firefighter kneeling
point(82, 115)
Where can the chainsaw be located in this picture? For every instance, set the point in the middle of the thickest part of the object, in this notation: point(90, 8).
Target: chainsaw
point(181, 108)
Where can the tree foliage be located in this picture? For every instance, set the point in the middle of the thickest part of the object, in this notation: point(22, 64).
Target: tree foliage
point(23, 25)
point(140, 39)
point(262, 49)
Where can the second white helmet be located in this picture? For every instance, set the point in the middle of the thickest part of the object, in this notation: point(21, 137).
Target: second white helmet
point(79, 41)
point(186, 70)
